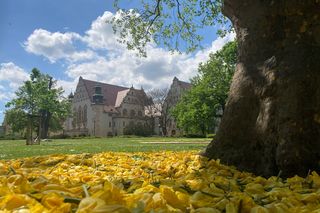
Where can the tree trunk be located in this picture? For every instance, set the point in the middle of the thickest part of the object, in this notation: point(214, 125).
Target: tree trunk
point(46, 116)
point(272, 117)
point(29, 132)
point(45, 120)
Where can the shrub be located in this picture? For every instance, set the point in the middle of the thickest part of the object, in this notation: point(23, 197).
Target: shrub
point(138, 130)
point(60, 136)
point(195, 136)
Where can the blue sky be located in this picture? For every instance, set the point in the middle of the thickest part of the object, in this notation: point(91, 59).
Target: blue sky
point(68, 39)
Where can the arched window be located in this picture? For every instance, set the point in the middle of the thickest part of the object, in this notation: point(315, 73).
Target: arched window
point(139, 113)
point(124, 112)
point(79, 117)
point(85, 118)
point(74, 117)
point(132, 113)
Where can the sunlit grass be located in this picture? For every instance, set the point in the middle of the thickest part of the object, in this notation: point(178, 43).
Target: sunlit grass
point(11, 149)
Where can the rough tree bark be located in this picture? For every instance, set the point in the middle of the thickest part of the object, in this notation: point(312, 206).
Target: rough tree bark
point(272, 117)
point(29, 131)
point(44, 123)
point(45, 117)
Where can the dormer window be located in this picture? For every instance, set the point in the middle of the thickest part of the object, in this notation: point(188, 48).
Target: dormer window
point(97, 96)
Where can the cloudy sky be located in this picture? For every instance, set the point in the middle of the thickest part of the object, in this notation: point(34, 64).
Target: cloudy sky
point(68, 39)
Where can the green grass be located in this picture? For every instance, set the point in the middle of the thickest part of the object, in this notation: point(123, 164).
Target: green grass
point(11, 149)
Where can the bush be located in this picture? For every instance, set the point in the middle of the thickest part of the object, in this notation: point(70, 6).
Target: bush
point(195, 136)
point(138, 130)
point(60, 136)
point(12, 137)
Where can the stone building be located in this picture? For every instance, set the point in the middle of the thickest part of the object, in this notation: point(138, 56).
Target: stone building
point(1, 131)
point(175, 92)
point(101, 109)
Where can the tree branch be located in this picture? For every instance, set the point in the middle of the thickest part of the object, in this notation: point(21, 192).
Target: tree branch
point(157, 14)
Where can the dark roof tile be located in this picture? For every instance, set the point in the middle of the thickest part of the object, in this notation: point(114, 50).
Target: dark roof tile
point(109, 91)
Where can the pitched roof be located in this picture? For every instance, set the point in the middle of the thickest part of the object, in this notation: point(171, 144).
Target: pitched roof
point(183, 84)
point(120, 96)
point(109, 91)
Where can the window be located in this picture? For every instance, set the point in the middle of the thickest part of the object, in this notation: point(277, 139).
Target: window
point(79, 117)
point(140, 113)
point(85, 115)
point(74, 120)
point(124, 123)
point(124, 112)
point(132, 113)
point(109, 124)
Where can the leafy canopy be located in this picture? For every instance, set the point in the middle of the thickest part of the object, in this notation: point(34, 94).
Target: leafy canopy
point(171, 23)
point(205, 101)
point(33, 97)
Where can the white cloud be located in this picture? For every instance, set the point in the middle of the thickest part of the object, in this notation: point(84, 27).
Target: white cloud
point(189, 65)
point(11, 77)
point(157, 70)
point(55, 46)
point(68, 86)
point(101, 36)
point(102, 58)
point(4, 97)
point(12, 73)
point(78, 56)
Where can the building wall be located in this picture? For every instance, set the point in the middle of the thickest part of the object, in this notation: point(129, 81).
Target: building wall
point(134, 107)
point(80, 122)
point(1, 131)
point(175, 93)
point(100, 122)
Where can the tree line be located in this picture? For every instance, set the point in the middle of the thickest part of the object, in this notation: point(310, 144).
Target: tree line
point(200, 109)
point(39, 105)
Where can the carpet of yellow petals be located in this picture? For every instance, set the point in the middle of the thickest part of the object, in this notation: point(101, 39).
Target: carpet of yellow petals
point(147, 182)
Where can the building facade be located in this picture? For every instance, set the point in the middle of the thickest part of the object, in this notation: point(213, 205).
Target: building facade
point(1, 131)
point(177, 89)
point(100, 109)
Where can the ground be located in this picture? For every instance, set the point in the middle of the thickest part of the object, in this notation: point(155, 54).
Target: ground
point(17, 148)
point(128, 180)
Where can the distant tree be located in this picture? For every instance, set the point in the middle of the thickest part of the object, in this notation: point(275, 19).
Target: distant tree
point(157, 108)
point(200, 107)
point(16, 125)
point(39, 103)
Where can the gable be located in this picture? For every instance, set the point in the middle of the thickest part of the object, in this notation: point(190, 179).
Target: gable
point(81, 92)
point(109, 91)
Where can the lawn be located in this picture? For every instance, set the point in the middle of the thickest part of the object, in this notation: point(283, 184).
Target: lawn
point(11, 149)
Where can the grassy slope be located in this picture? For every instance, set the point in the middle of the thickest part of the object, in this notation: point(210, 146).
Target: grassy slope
point(17, 148)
